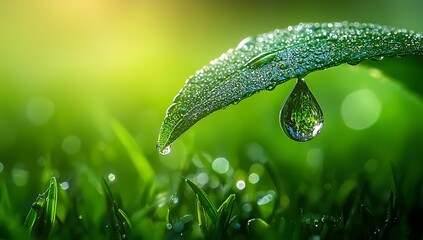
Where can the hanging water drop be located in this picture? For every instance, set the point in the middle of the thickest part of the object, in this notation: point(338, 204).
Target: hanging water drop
point(166, 150)
point(301, 117)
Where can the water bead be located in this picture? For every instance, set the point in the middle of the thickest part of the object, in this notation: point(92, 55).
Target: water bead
point(301, 117)
point(165, 150)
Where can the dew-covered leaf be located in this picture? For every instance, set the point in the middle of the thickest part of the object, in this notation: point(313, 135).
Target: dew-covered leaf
point(267, 60)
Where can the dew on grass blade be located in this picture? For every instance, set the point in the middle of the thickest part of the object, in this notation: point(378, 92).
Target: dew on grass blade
point(301, 117)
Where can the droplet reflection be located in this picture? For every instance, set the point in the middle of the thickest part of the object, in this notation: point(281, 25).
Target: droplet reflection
point(301, 117)
point(166, 150)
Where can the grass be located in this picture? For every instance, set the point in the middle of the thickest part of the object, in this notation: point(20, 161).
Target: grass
point(63, 62)
point(230, 182)
point(96, 207)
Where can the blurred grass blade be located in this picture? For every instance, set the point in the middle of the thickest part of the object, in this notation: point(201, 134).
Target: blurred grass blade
point(267, 60)
point(118, 218)
point(259, 229)
point(124, 218)
point(141, 163)
point(205, 201)
point(4, 196)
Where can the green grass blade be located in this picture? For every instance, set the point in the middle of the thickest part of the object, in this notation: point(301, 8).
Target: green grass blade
point(204, 199)
point(141, 163)
point(124, 218)
point(117, 217)
point(267, 60)
point(51, 203)
point(201, 217)
point(34, 213)
point(224, 212)
point(4, 196)
point(41, 217)
point(259, 229)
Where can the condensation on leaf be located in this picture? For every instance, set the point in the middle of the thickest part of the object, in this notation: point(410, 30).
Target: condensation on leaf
point(264, 61)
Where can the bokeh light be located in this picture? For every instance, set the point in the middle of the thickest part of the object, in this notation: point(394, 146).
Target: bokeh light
point(220, 165)
point(361, 109)
point(240, 184)
point(71, 144)
point(64, 185)
point(39, 110)
point(20, 176)
point(111, 177)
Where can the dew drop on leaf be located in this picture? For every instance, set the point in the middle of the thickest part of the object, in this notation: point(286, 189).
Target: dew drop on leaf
point(165, 150)
point(301, 117)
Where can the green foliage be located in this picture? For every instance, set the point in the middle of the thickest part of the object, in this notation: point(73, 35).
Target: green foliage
point(363, 215)
point(119, 223)
point(42, 215)
point(220, 219)
point(111, 184)
point(267, 60)
point(205, 201)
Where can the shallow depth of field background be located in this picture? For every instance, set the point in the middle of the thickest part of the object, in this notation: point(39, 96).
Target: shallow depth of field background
point(70, 69)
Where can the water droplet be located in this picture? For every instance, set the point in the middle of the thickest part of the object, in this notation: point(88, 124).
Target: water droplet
point(246, 43)
point(166, 150)
point(64, 185)
point(301, 117)
point(354, 62)
point(261, 59)
point(377, 58)
point(270, 87)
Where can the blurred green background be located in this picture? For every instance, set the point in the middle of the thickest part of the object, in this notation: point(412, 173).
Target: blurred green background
point(68, 69)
